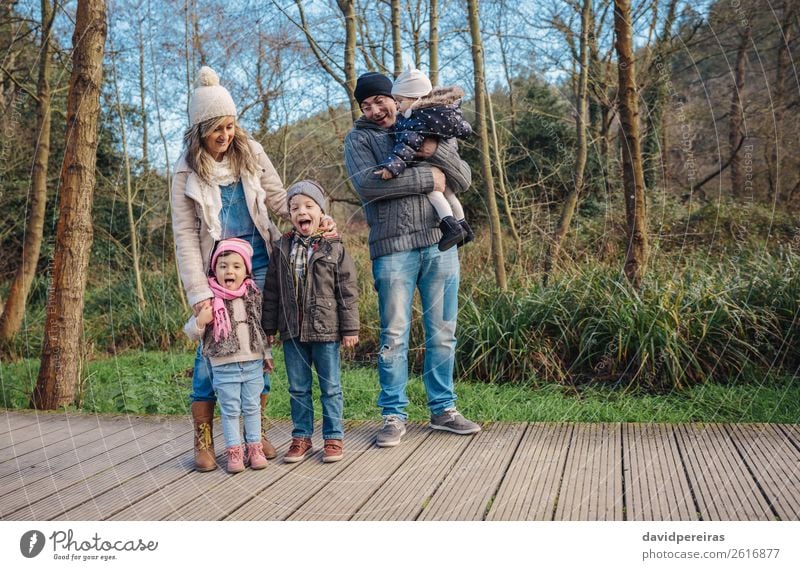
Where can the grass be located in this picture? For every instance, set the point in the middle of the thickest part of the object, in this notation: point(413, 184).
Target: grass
point(159, 383)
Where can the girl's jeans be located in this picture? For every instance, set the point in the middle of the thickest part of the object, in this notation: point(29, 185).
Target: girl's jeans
point(238, 386)
point(325, 358)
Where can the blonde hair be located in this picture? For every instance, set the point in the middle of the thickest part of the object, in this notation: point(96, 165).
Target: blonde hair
point(238, 153)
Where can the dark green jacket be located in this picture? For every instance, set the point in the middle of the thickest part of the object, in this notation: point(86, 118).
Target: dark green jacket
point(330, 309)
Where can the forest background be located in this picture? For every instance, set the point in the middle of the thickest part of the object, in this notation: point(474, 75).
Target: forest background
point(660, 260)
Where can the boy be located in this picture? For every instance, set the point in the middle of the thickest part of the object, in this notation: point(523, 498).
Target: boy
point(311, 297)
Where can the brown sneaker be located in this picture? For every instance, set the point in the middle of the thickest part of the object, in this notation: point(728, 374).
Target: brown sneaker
point(333, 451)
point(299, 450)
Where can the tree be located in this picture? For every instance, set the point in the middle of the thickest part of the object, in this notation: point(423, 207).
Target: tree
point(498, 256)
point(433, 42)
point(581, 152)
point(61, 351)
point(12, 316)
point(397, 47)
point(632, 170)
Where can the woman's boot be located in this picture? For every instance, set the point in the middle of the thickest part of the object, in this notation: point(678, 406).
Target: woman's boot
point(269, 449)
point(203, 419)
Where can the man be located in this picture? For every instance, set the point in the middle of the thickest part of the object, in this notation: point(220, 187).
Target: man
point(403, 237)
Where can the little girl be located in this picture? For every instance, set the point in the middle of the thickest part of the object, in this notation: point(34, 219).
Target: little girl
point(235, 344)
point(426, 111)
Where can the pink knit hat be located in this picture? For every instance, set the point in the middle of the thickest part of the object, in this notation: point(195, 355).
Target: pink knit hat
point(236, 245)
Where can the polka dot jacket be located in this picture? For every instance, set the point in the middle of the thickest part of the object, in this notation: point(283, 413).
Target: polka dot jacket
point(438, 114)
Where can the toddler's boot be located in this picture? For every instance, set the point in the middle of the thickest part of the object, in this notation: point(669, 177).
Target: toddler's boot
point(255, 455)
point(470, 235)
point(452, 233)
point(235, 455)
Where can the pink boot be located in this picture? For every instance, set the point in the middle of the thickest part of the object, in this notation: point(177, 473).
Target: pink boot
point(235, 459)
point(255, 453)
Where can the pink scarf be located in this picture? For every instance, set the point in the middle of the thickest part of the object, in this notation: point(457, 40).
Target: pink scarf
point(222, 321)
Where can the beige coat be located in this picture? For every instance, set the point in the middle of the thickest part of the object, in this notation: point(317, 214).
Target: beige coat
point(195, 217)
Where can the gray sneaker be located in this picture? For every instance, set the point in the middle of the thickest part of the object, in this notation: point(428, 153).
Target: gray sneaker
point(451, 420)
point(394, 428)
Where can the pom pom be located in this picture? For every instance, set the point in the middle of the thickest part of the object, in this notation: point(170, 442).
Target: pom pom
point(206, 77)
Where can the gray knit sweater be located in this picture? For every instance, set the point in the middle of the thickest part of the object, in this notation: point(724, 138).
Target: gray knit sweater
point(399, 215)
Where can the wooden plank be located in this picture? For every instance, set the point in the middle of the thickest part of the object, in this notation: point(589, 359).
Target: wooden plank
point(11, 420)
point(93, 489)
point(775, 462)
point(105, 455)
point(53, 440)
point(31, 432)
point(723, 487)
point(348, 491)
point(283, 498)
point(529, 489)
point(406, 492)
point(232, 492)
point(792, 431)
point(592, 485)
point(467, 491)
point(123, 496)
point(656, 486)
point(44, 462)
point(195, 488)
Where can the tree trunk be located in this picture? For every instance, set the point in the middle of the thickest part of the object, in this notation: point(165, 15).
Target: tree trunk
point(397, 48)
point(433, 42)
point(14, 311)
point(349, 11)
point(130, 196)
point(736, 122)
point(780, 102)
point(142, 102)
point(501, 179)
point(61, 352)
point(632, 169)
point(498, 256)
point(581, 151)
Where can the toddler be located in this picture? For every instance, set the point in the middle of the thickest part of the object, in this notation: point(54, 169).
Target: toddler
point(230, 327)
point(424, 112)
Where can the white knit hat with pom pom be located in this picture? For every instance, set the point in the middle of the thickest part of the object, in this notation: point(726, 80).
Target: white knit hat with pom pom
point(209, 99)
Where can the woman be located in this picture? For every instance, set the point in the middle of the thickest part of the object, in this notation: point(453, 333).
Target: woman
point(224, 186)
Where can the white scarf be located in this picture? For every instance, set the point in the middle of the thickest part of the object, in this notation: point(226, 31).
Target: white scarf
point(221, 175)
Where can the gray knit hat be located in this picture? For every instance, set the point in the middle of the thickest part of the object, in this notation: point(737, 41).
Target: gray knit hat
point(308, 188)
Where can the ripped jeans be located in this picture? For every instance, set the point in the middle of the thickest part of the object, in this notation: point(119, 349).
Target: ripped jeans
point(436, 275)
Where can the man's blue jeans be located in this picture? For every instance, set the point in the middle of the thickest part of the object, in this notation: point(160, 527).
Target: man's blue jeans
point(436, 274)
point(238, 386)
point(325, 358)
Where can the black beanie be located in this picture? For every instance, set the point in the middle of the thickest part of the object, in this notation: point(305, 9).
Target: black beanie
point(370, 84)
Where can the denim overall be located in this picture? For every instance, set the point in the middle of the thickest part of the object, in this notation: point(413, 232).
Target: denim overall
point(236, 222)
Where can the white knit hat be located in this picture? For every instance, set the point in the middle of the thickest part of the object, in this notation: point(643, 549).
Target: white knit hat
point(209, 99)
point(412, 83)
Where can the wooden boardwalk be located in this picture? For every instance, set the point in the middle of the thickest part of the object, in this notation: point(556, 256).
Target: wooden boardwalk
point(55, 466)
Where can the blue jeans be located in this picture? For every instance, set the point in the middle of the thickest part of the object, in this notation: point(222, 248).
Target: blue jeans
point(238, 386)
point(202, 389)
point(436, 274)
point(325, 358)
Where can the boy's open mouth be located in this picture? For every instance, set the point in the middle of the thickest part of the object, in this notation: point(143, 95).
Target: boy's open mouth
point(304, 225)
